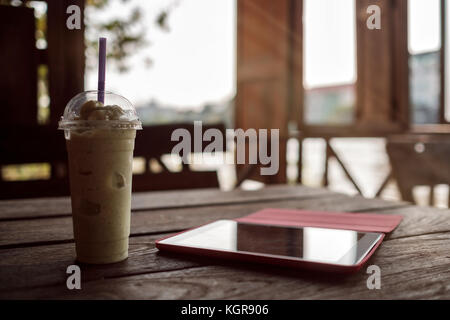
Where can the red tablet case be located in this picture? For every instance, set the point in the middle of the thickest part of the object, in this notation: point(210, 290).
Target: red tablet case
point(364, 222)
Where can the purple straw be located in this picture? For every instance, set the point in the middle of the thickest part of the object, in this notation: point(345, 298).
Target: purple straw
point(101, 69)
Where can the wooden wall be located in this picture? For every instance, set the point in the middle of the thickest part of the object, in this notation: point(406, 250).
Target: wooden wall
point(382, 68)
point(65, 57)
point(264, 63)
point(18, 65)
point(19, 60)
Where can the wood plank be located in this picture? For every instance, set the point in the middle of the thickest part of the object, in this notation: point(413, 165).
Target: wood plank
point(382, 67)
point(55, 230)
point(420, 220)
point(263, 57)
point(25, 268)
point(156, 140)
point(46, 207)
point(406, 272)
point(166, 180)
point(65, 57)
point(400, 58)
point(374, 66)
point(67, 257)
point(18, 64)
point(28, 146)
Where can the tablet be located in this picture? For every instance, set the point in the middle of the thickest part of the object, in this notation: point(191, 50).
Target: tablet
point(319, 248)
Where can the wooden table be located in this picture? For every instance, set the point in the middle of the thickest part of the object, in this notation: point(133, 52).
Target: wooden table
point(36, 247)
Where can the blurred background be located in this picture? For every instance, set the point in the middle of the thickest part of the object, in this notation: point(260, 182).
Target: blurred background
point(359, 111)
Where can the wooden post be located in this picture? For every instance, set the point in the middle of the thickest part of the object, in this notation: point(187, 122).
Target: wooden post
point(65, 56)
point(443, 61)
point(269, 69)
point(325, 181)
point(18, 65)
point(382, 61)
point(296, 89)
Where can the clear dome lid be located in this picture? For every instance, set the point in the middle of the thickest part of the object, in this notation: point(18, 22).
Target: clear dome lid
point(84, 111)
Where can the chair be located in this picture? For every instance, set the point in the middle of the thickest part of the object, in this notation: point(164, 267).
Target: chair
point(23, 141)
point(34, 144)
point(45, 144)
point(154, 142)
point(419, 160)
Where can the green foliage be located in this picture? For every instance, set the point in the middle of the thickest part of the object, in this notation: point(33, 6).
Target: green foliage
point(126, 36)
point(97, 3)
point(123, 39)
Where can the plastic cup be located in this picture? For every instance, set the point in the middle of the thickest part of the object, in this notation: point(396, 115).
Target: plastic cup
point(100, 144)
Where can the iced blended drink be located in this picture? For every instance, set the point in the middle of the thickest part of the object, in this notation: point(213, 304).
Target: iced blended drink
point(100, 142)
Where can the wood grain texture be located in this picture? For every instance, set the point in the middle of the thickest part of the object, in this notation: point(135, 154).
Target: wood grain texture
point(44, 207)
point(374, 65)
point(25, 268)
point(398, 259)
point(35, 252)
point(65, 57)
point(59, 229)
point(16, 262)
point(18, 63)
point(263, 61)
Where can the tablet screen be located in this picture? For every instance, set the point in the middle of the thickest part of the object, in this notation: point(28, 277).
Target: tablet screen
point(337, 246)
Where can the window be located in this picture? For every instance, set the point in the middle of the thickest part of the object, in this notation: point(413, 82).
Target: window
point(355, 78)
point(329, 63)
point(183, 70)
point(424, 44)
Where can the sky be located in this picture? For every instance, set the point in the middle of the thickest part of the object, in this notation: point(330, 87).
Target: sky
point(424, 26)
point(329, 42)
point(195, 62)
